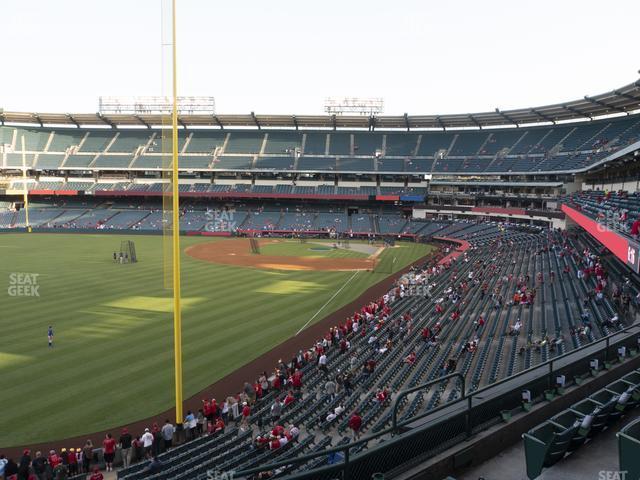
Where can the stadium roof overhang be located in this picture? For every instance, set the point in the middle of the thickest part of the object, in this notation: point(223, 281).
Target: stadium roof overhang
point(622, 100)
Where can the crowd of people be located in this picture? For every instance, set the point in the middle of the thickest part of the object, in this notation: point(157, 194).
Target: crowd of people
point(377, 335)
point(213, 417)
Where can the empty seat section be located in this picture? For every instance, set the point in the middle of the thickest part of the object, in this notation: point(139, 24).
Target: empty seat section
point(233, 162)
point(340, 144)
point(531, 139)
point(35, 139)
point(113, 161)
point(400, 144)
point(283, 142)
point(275, 163)
point(315, 144)
point(128, 142)
point(97, 141)
point(205, 142)
point(49, 161)
point(317, 163)
point(79, 160)
point(468, 143)
point(355, 165)
point(192, 161)
point(500, 140)
point(366, 143)
point(63, 139)
point(151, 161)
point(15, 159)
point(244, 142)
point(391, 164)
point(431, 142)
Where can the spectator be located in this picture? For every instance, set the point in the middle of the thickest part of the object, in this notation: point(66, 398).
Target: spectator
point(246, 413)
point(87, 456)
point(11, 470)
point(154, 466)
point(189, 425)
point(147, 442)
point(73, 461)
point(276, 410)
point(125, 445)
point(39, 465)
point(201, 422)
point(167, 434)
point(330, 388)
point(96, 474)
point(25, 462)
point(109, 448)
point(355, 422)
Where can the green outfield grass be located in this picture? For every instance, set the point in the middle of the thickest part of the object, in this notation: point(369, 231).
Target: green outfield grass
point(112, 362)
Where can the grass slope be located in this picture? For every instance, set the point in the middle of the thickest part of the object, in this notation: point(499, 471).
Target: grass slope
point(112, 360)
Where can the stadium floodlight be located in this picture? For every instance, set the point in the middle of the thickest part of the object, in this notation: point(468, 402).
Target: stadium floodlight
point(156, 105)
point(359, 106)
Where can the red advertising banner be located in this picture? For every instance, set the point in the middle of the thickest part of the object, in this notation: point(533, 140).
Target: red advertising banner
point(622, 247)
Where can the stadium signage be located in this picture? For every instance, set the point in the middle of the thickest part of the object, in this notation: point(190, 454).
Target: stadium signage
point(23, 285)
point(221, 220)
point(624, 248)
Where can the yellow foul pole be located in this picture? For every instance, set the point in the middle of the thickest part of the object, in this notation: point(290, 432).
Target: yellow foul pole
point(24, 185)
point(177, 317)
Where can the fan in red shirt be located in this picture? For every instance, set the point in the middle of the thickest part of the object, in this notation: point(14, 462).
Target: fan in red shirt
point(296, 380)
point(206, 410)
point(54, 459)
point(109, 447)
point(96, 474)
point(355, 422)
point(246, 413)
point(289, 399)
point(73, 462)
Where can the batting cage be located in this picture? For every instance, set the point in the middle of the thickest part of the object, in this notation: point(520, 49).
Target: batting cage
point(127, 252)
point(255, 245)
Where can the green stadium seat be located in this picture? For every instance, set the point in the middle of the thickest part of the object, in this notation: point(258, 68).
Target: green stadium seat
point(113, 161)
point(315, 144)
point(205, 142)
point(244, 142)
point(283, 142)
point(225, 163)
point(79, 160)
point(49, 161)
point(629, 449)
point(63, 139)
point(97, 141)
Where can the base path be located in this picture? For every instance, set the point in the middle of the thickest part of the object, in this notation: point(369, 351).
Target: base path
point(237, 252)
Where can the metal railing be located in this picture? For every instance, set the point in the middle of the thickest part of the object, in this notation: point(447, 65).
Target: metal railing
point(490, 400)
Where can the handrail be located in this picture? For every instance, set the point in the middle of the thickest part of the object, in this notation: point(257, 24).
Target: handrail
point(344, 449)
point(404, 393)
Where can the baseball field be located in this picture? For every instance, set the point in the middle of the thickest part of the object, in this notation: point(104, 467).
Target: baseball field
point(112, 358)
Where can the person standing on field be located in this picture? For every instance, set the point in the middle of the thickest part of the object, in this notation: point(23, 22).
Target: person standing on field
point(50, 336)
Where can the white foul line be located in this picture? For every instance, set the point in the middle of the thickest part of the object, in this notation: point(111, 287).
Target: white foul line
point(328, 302)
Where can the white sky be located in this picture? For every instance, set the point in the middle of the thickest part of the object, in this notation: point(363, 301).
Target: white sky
point(286, 56)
